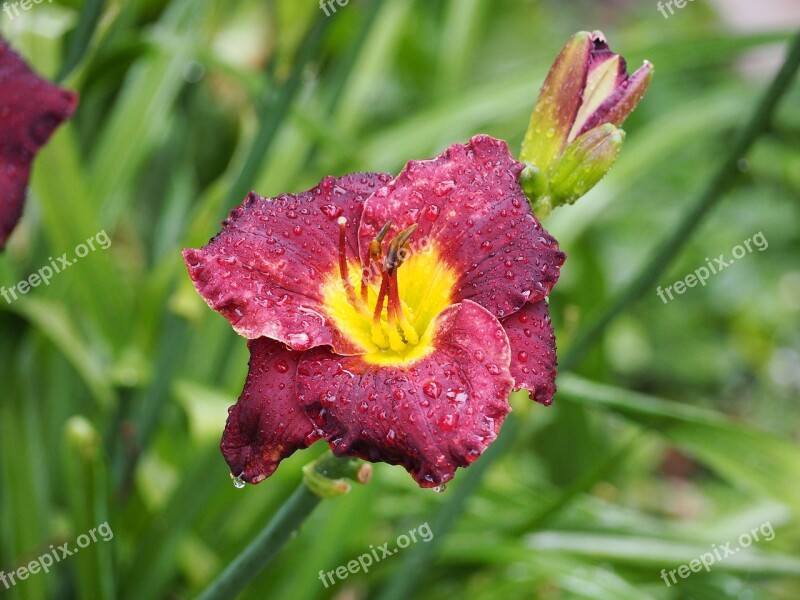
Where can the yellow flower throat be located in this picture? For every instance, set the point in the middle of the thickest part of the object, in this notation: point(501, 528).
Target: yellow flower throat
point(386, 310)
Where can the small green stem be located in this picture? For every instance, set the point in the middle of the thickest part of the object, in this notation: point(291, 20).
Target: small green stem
point(324, 478)
point(263, 549)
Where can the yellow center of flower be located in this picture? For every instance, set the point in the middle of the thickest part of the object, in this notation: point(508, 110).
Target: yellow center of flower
point(388, 306)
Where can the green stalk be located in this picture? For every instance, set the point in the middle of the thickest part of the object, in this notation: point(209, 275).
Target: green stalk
point(407, 576)
point(81, 37)
point(326, 477)
point(263, 549)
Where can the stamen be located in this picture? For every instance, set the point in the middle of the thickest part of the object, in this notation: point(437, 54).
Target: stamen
point(343, 270)
point(396, 342)
point(399, 332)
point(375, 255)
point(365, 282)
point(394, 259)
point(395, 305)
point(378, 335)
point(384, 230)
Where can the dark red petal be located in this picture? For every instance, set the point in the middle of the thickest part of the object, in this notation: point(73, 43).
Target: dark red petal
point(533, 351)
point(264, 271)
point(266, 425)
point(31, 108)
point(469, 206)
point(432, 416)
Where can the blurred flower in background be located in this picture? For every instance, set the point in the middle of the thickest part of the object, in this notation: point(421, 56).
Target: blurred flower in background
point(31, 109)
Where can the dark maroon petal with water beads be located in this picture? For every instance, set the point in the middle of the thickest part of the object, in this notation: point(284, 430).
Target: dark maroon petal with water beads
point(533, 351)
point(31, 109)
point(266, 425)
point(265, 270)
point(431, 417)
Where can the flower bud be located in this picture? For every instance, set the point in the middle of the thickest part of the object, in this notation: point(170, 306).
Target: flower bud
point(587, 88)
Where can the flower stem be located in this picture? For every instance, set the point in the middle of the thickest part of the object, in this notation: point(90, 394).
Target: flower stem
point(326, 477)
point(263, 549)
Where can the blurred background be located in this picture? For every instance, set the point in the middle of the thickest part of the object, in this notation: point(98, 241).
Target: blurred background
point(677, 431)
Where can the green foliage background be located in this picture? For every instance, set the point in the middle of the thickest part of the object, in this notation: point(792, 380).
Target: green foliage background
point(678, 431)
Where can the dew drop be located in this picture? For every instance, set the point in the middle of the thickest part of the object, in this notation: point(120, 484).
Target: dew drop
point(238, 482)
point(432, 212)
point(331, 211)
point(281, 366)
point(442, 188)
point(299, 341)
point(432, 389)
point(440, 488)
point(448, 422)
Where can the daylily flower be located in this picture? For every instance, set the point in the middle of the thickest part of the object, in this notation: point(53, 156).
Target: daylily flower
point(573, 137)
point(30, 111)
point(391, 318)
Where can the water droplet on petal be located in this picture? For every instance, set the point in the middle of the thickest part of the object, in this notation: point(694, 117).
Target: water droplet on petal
point(440, 488)
point(331, 211)
point(432, 389)
point(238, 482)
point(442, 188)
point(432, 212)
point(448, 422)
point(299, 341)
